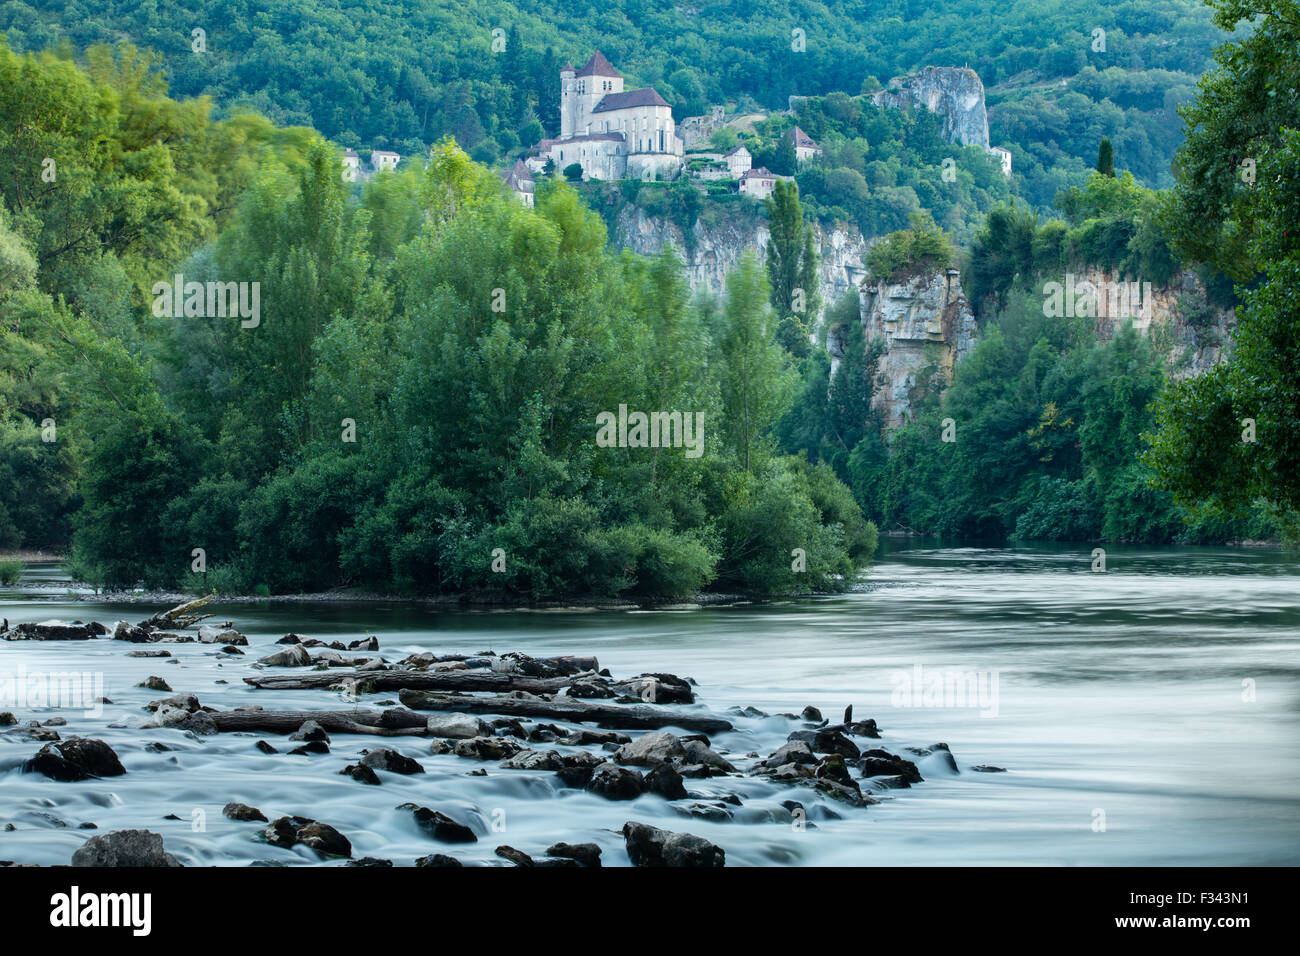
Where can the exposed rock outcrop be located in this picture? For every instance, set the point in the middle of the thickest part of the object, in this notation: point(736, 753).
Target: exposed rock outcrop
point(955, 94)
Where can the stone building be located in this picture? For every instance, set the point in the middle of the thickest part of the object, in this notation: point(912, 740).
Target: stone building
point(611, 133)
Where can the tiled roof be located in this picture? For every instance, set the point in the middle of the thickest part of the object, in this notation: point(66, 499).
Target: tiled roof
point(622, 101)
point(519, 177)
point(803, 139)
point(599, 66)
point(546, 144)
point(735, 149)
point(762, 172)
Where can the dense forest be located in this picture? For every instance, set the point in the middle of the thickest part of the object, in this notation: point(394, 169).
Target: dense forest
point(402, 74)
point(413, 404)
point(406, 390)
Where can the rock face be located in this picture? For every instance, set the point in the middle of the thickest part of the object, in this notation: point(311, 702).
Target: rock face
point(124, 848)
point(955, 94)
point(717, 246)
point(927, 326)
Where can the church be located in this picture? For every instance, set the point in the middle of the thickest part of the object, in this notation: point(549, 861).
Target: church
point(609, 132)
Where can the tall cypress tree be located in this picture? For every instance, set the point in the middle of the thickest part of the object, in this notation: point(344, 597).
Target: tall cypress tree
point(791, 269)
point(1106, 158)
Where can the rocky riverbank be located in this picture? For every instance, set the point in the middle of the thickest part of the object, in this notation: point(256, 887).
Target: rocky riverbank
point(554, 726)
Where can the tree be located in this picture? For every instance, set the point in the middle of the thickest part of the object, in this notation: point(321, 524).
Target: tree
point(791, 268)
point(1228, 436)
point(573, 172)
point(1106, 157)
point(755, 384)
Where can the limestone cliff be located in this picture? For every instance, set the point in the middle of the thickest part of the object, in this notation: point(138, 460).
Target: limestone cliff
point(718, 243)
point(927, 327)
point(955, 94)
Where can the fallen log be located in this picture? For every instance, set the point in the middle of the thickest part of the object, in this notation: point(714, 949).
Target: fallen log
point(395, 722)
point(390, 680)
point(181, 616)
point(613, 716)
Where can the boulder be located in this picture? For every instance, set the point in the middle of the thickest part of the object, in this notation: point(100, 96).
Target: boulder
point(651, 749)
point(616, 783)
point(221, 635)
point(486, 748)
point(439, 826)
point(295, 655)
point(131, 632)
point(77, 758)
point(288, 832)
point(458, 726)
point(360, 773)
point(385, 759)
point(651, 846)
point(124, 848)
point(438, 859)
point(665, 781)
point(242, 812)
point(588, 854)
point(827, 741)
point(310, 730)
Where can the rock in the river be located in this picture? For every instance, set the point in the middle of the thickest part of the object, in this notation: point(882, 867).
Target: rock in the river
point(76, 758)
point(651, 846)
point(49, 631)
point(486, 748)
point(651, 749)
point(665, 781)
point(438, 859)
point(699, 753)
point(986, 768)
point(7, 719)
point(295, 655)
point(310, 730)
point(827, 742)
point(616, 783)
point(795, 751)
point(458, 726)
point(588, 854)
point(124, 848)
point(517, 857)
point(881, 763)
point(361, 773)
point(585, 738)
point(811, 713)
point(155, 683)
point(221, 635)
point(440, 826)
point(287, 832)
point(131, 632)
point(385, 759)
point(242, 811)
point(534, 760)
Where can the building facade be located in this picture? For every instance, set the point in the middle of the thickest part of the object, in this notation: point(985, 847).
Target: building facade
point(610, 132)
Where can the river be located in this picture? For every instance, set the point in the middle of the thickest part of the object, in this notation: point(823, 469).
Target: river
point(1146, 715)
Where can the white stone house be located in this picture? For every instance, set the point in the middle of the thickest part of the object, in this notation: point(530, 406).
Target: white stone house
point(804, 147)
point(351, 165)
point(383, 159)
point(1004, 156)
point(610, 132)
point(520, 180)
point(739, 161)
point(758, 183)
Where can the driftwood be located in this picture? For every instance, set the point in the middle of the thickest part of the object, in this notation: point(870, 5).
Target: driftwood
point(395, 722)
point(390, 680)
point(615, 716)
point(181, 616)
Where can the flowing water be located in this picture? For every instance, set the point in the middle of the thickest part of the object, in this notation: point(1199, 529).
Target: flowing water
point(1146, 715)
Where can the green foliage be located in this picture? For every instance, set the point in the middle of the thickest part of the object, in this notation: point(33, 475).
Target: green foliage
point(419, 395)
point(922, 248)
point(1228, 437)
point(10, 572)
